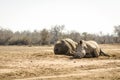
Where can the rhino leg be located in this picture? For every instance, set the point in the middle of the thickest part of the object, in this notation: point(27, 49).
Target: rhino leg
point(88, 55)
point(96, 53)
point(78, 55)
point(70, 52)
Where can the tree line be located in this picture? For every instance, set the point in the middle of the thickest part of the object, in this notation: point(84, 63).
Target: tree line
point(49, 37)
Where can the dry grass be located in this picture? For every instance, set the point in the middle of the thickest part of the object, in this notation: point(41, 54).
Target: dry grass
point(112, 49)
point(40, 63)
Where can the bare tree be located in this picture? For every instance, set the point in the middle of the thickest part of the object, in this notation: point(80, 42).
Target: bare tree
point(74, 36)
point(117, 31)
point(35, 38)
point(5, 35)
point(56, 32)
point(44, 37)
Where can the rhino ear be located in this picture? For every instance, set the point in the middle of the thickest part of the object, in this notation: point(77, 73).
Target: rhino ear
point(81, 41)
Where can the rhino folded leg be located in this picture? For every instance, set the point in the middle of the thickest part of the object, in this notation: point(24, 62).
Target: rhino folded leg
point(92, 55)
point(96, 53)
point(70, 52)
point(78, 55)
point(88, 55)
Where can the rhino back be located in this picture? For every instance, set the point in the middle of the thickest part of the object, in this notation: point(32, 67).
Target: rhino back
point(92, 45)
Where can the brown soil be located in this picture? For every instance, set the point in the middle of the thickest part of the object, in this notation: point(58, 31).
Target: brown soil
point(40, 63)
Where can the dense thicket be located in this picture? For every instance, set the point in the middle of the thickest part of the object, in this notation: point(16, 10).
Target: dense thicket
point(48, 37)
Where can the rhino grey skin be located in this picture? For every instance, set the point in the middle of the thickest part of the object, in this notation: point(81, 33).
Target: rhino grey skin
point(65, 47)
point(88, 49)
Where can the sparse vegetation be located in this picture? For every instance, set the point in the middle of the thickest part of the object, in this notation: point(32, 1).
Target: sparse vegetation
point(48, 37)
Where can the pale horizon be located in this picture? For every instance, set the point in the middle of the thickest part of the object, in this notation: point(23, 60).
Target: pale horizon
point(92, 16)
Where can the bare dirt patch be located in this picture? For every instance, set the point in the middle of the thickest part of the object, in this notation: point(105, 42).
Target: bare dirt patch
point(40, 63)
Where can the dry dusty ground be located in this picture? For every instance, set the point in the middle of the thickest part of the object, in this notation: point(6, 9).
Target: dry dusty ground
point(40, 63)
